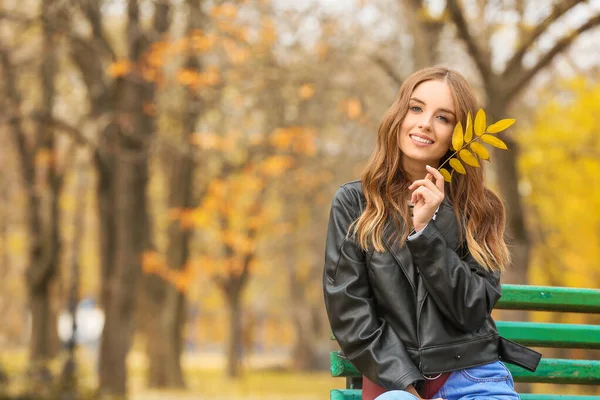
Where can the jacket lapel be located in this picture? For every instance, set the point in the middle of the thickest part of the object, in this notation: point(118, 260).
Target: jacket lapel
point(401, 254)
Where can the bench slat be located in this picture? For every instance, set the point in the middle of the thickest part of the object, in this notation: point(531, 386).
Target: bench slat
point(550, 370)
point(551, 335)
point(549, 298)
point(345, 394)
point(355, 394)
point(556, 370)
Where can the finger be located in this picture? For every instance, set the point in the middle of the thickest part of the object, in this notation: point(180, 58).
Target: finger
point(439, 178)
point(427, 183)
point(424, 193)
point(416, 196)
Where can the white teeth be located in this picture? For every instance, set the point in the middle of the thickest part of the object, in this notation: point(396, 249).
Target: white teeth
point(421, 140)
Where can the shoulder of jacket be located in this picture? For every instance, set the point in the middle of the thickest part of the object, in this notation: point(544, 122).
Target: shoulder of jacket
point(351, 194)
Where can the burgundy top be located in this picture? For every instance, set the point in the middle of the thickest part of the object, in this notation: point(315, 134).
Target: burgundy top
point(371, 390)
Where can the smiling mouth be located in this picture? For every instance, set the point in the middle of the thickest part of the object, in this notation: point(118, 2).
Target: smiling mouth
point(420, 139)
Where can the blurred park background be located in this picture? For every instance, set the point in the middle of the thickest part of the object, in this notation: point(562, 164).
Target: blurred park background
point(167, 168)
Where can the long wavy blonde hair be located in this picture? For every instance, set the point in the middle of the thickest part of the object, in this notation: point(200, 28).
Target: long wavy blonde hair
point(480, 212)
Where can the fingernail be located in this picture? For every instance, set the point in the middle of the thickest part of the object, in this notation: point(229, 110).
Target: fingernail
point(427, 166)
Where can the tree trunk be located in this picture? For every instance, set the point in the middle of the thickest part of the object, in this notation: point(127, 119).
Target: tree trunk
point(507, 177)
point(234, 340)
point(42, 207)
point(165, 343)
point(304, 353)
point(517, 239)
point(165, 336)
point(305, 357)
point(119, 290)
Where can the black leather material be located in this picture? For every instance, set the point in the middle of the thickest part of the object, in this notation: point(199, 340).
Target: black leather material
point(518, 354)
point(423, 308)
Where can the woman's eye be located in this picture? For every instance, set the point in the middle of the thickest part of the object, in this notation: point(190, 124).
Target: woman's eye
point(444, 119)
point(415, 108)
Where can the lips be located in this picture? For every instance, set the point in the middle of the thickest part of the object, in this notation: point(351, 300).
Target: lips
point(421, 138)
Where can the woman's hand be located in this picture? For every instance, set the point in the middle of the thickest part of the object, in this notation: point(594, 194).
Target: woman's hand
point(426, 197)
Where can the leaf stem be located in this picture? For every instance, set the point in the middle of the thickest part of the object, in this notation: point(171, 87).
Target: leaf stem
point(456, 152)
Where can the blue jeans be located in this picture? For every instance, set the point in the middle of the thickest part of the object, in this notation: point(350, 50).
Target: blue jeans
point(489, 381)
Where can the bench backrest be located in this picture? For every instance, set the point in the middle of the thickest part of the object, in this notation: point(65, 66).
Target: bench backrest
point(548, 335)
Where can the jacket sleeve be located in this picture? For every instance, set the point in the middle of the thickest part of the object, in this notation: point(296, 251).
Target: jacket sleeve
point(366, 340)
point(463, 290)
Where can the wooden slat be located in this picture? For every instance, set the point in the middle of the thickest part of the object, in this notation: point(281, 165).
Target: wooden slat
point(549, 298)
point(345, 394)
point(550, 370)
point(554, 370)
point(551, 335)
point(340, 366)
point(353, 394)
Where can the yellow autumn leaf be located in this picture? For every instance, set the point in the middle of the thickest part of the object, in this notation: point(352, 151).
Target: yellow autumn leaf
point(457, 165)
point(469, 129)
point(480, 150)
point(119, 68)
point(203, 42)
point(306, 91)
point(187, 77)
point(322, 50)
point(500, 125)
point(353, 108)
point(282, 138)
point(305, 145)
point(480, 121)
point(468, 158)
point(457, 137)
point(276, 165)
point(211, 76)
point(446, 174)
point(206, 140)
point(226, 10)
point(268, 33)
point(235, 53)
point(494, 141)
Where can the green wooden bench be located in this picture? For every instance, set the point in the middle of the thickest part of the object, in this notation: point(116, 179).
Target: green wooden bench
point(548, 335)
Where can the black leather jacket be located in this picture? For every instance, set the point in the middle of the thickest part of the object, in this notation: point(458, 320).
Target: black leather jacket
point(415, 310)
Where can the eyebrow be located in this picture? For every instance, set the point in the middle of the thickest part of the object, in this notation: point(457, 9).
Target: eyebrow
point(440, 109)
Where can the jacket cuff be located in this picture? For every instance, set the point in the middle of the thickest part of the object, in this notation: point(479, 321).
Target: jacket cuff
point(419, 241)
point(414, 234)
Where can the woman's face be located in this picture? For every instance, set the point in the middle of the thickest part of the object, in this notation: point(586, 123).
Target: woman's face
point(426, 132)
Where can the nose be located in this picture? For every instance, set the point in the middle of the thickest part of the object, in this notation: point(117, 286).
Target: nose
point(425, 122)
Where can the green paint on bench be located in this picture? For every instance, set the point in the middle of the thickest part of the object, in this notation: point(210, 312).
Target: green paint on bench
point(345, 394)
point(550, 370)
point(551, 335)
point(354, 394)
point(555, 370)
point(548, 298)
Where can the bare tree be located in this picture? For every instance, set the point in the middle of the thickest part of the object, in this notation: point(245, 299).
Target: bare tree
point(168, 305)
point(119, 104)
point(501, 89)
point(42, 182)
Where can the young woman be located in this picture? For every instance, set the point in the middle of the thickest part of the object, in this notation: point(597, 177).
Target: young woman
point(412, 265)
